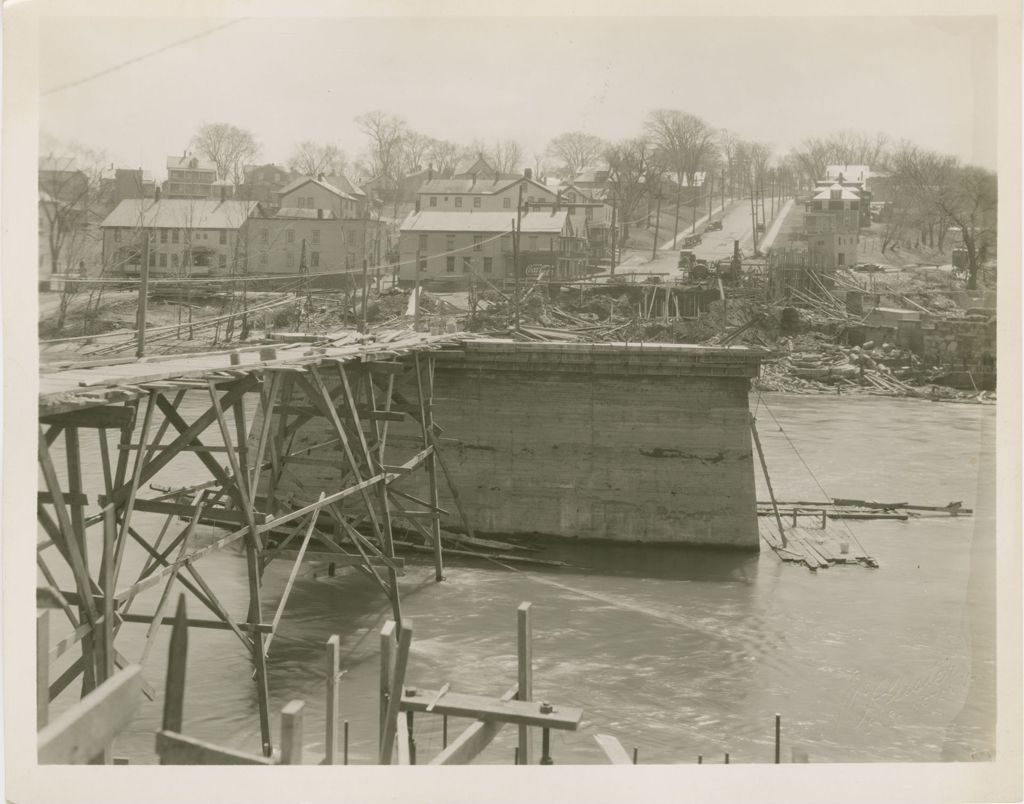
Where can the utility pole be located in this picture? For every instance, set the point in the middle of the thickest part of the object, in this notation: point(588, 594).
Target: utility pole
point(516, 251)
point(723, 189)
point(679, 199)
point(753, 216)
point(694, 200)
point(615, 230)
point(416, 293)
point(366, 290)
point(140, 324)
point(711, 192)
point(657, 225)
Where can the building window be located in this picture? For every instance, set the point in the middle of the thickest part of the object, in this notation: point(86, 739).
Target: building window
point(449, 265)
point(506, 203)
point(423, 242)
point(223, 237)
point(314, 259)
point(533, 242)
point(467, 265)
point(506, 244)
point(316, 237)
point(222, 260)
point(590, 213)
point(350, 237)
point(449, 243)
point(174, 260)
point(841, 258)
point(433, 200)
point(265, 235)
point(263, 259)
point(488, 263)
point(289, 260)
point(458, 201)
point(476, 242)
point(290, 236)
point(572, 210)
point(423, 265)
point(309, 202)
point(174, 235)
point(476, 203)
point(152, 259)
point(117, 235)
point(302, 202)
point(163, 235)
point(163, 260)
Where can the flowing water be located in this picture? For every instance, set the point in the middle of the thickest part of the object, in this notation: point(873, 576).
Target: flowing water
point(677, 652)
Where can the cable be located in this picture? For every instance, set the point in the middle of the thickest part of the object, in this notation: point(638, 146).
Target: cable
point(128, 62)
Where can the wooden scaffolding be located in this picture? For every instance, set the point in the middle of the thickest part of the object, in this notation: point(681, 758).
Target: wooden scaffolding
point(84, 541)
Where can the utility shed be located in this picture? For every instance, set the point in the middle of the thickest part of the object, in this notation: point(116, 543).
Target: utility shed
point(612, 441)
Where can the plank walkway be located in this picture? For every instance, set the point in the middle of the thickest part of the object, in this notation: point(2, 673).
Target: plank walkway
point(815, 548)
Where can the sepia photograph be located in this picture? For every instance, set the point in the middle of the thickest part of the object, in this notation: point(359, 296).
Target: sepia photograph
point(512, 384)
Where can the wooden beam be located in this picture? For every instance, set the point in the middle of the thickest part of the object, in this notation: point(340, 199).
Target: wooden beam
point(331, 722)
point(85, 730)
point(174, 686)
point(480, 707)
point(473, 740)
point(210, 516)
point(388, 646)
point(613, 750)
point(328, 500)
point(177, 749)
point(524, 654)
point(112, 416)
point(217, 625)
point(291, 580)
point(42, 668)
point(397, 687)
point(291, 733)
point(341, 559)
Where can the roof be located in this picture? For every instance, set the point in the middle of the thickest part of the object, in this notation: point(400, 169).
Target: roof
point(850, 172)
point(183, 162)
point(845, 193)
point(343, 184)
point(303, 180)
point(179, 213)
point(477, 187)
point(477, 161)
point(309, 214)
point(58, 164)
point(538, 222)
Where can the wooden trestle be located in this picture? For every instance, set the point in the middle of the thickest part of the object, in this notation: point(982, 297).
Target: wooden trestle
point(351, 385)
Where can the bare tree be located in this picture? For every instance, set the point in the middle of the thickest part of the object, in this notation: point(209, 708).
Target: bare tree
point(629, 166)
point(506, 156)
point(415, 148)
point(444, 155)
point(575, 151)
point(840, 148)
point(229, 148)
point(313, 158)
point(385, 154)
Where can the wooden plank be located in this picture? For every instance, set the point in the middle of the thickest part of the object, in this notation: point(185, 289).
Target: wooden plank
point(385, 368)
point(210, 516)
point(524, 655)
point(177, 658)
point(480, 707)
point(177, 749)
point(328, 500)
point(291, 733)
point(402, 741)
point(387, 668)
point(291, 580)
point(341, 559)
point(613, 749)
point(473, 740)
point(86, 729)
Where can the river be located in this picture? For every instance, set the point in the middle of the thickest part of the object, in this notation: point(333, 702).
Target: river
point(677, 652)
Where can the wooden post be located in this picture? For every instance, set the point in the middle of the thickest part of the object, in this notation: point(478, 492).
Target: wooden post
point(140, 350)
point(768, 481)
point(416, 294)
point(331, 736)
point(726, 757)
point(657, 224)
point(778, 736)
point(387, 669)
point(345, 754)
point(524, 633)
point(366, 292)
point(43, 668)
point(291, 733)
point(177, 656)
point(396, 686)
point(425, 387)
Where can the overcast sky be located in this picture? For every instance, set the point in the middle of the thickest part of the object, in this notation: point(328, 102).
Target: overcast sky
point(776, 80)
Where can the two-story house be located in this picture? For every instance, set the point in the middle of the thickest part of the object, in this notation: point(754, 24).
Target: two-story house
point(483, 194)
point(440, 245)
point(187, 237)
point(190, 178)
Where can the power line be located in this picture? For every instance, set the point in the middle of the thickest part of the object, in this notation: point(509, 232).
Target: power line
point(143, 57)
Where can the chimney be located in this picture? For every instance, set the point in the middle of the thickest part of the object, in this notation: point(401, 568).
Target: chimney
point(156, 193)
point(430, 172)
point(528, 173)
point(319, 213)
point(319, 176)
point(223, 193)
point(417, 205)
